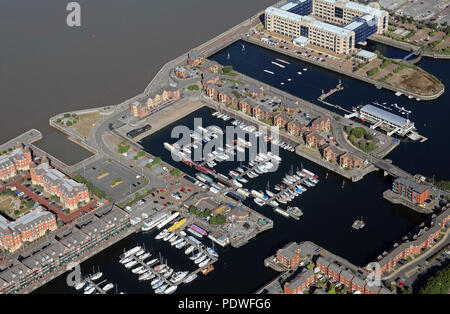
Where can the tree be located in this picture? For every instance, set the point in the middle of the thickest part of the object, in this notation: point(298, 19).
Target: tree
point(227, 69)
point(362, 146)
point(437, 284)
point(358, 132)
point(371, 146)
point(348, 129)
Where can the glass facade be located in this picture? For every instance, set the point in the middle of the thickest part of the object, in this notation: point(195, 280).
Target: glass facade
point(367, 28)
point(338, 12)
point(304, 31)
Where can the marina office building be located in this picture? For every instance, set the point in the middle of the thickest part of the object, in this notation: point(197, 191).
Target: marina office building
point(336, 25)
point(380, 117)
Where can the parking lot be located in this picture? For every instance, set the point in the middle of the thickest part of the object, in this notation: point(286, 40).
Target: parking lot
point(422, 9)
point(391, 4)
point(103, 172)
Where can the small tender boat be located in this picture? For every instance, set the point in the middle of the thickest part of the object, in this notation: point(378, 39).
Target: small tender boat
point(170, 290)
point(108, 287)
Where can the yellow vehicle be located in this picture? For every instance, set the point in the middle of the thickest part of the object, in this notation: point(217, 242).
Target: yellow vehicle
point(177, 225)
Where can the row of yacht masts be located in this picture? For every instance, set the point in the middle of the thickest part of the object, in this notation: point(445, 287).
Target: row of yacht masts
point(90, 284)
point(164, 278)
point(200, 254)
point(293, 185)
point(252, 129)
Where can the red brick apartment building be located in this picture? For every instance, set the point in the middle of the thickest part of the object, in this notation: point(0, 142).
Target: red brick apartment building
point(181, 72)
point(281, 120)
point(262, 112)
point(411, 190)
point(254, 91)
point(209, 66)
point(292, 108)
point(305, 279)
point(18, 159)
point(29, 227)
point(71, 243)
point(226, 97)
point(247, 105)
point(320, 124)
point(423, 240)
point(140, 110)
point(350, 161)
point(345, 276)
point(315, 139)
point(209, 78)
point(212, 91)
point(289, 255)
point(334, 271)
point(194, 58)
point(331, 153)
point(56, 183)
point(296, 127)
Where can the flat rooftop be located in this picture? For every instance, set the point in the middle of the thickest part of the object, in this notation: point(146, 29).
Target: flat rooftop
point(284, 14)
point(385, 115)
